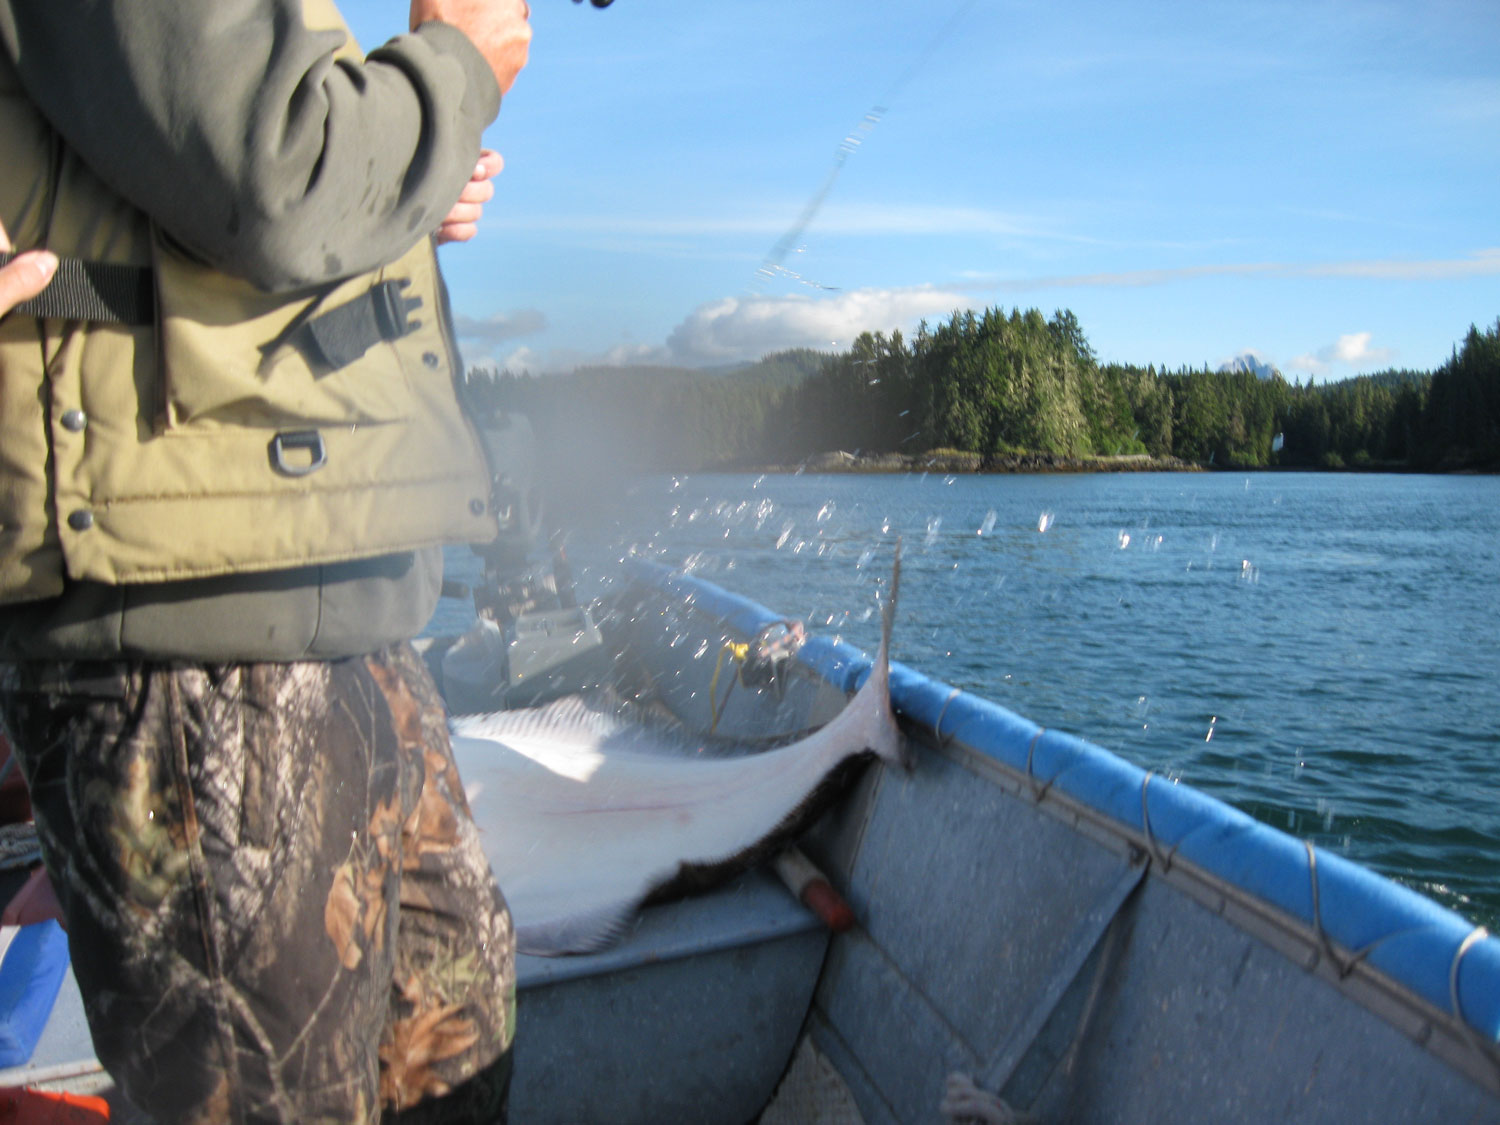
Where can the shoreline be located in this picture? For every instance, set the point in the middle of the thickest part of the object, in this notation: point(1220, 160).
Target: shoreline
point(952, 461)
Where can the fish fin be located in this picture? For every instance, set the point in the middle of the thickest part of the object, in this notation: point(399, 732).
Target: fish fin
point(888, 744)
point(888, 611)
point(586, 932)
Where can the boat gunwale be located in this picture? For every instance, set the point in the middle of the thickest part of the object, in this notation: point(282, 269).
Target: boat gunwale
point(1390, 986)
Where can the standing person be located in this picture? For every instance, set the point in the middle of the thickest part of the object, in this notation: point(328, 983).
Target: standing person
point(230, 452)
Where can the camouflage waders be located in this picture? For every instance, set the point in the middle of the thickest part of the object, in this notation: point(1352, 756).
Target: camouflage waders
point(277, 903)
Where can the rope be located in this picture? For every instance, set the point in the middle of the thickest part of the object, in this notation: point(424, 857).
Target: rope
point(1163, 859)
point(964, 1101)
point(1038, 789)
point(1344, 965)
point(765, 649)
point(1481, 1045)
point(945, 740)
point(740, 652)
point(19, 846)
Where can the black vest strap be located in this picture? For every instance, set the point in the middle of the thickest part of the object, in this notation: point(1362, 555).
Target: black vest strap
point(94, 291)
point(340, 336)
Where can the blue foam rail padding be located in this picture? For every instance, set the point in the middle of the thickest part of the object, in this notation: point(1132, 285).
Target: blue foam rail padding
point(1437, 954)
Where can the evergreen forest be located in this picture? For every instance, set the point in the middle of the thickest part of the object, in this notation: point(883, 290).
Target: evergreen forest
point(1001, 387)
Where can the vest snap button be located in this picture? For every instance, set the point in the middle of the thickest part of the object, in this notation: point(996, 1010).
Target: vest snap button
point(74, 421)
point(81, 520)
point(431, 359)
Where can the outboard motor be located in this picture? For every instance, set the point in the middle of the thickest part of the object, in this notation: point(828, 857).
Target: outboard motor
point(531, 640)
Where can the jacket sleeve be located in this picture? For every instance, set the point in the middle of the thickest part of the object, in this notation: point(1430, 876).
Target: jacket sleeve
point(241, 133)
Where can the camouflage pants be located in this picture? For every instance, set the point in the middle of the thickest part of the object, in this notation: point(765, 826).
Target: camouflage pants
point(276, 899)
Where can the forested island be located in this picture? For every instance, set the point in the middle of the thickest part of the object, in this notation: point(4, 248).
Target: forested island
point(993, 391)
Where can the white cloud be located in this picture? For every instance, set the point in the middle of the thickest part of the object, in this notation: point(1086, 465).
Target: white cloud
point(1351, 350)
point(743, 328)
point(520, 360)
point(501, 326)
point(479, 338)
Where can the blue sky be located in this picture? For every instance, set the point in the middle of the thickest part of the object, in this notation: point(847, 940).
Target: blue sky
point(1317, 183)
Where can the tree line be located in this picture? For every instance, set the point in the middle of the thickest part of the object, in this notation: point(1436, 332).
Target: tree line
point(997, 384)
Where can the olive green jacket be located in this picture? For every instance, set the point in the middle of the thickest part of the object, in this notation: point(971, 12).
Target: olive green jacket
point(206, 487)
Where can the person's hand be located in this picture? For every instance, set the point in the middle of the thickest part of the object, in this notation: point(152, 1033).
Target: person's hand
point(462, 222)
point(25, 276)
point(501, 29)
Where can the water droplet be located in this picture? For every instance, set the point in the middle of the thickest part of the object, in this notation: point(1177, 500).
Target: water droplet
point(1044, 521)
point(826, 511)
point(1124, 539)
point(989, 523)
point(934, 525)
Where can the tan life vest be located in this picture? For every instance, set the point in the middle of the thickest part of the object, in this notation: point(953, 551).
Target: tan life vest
point(245, 431)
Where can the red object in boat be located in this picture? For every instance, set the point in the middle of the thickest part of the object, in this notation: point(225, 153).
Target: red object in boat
point(15, 801)
point(21, 1105)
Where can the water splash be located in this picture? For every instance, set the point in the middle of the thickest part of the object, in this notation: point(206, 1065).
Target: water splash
point(1044, 521)
point(934, 525)
point(1123, 539)
point(825, 513)
point(988, 525)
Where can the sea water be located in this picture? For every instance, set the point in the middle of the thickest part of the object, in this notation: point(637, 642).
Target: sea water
point(1319, 650)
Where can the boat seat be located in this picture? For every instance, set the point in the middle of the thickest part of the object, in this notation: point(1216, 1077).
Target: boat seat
point(692, 1016)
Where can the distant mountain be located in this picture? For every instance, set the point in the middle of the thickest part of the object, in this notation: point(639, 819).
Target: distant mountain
point(779, 369)
point(782, 368)
point(1249, 361)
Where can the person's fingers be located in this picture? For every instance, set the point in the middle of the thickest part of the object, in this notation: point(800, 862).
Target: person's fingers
point(476, 192)
point(465, 213)
point(25, 276)
point(491, 163)
point(456, 232)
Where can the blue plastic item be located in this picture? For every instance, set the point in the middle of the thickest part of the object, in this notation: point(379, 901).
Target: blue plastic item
point(30, 976)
